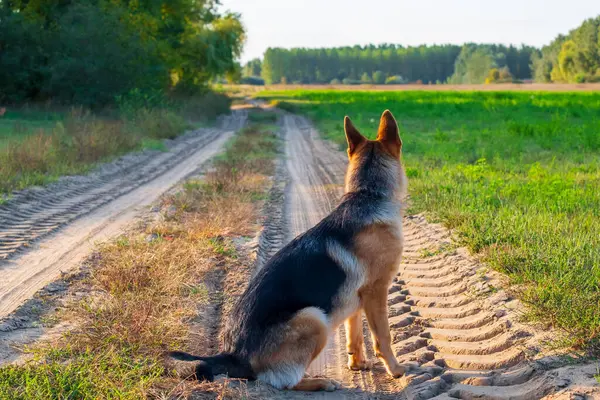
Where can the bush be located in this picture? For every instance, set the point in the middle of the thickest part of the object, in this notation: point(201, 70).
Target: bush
point(348, 81)
point(205, 107)
point(258, 115)
point(501, 75)
point(580, 78)
point(285, 105)
point(252, 80)
point(136, 99)
point(378, 77)
point(594, 78)
point(395, 80)
point(493, 76)
point(335, 82)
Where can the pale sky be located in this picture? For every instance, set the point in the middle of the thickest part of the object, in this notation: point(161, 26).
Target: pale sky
point(328, 23)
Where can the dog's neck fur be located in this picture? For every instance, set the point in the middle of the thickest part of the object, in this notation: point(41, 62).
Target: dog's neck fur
point(378, 178)
point(380, 182)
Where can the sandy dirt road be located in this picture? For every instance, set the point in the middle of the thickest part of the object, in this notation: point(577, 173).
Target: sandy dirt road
point(452, 322)
point(46, 231)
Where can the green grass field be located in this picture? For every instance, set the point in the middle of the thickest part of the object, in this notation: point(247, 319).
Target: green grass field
point(15, 125)
point(516, 175)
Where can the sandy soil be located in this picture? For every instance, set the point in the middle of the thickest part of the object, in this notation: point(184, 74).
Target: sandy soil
point(453, 324)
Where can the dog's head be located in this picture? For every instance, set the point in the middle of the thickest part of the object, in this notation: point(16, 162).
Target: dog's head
point(375, 165)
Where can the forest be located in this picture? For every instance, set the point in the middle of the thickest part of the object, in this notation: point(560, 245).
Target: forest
point(92, 52)
point(384, 64)
point(570, 58)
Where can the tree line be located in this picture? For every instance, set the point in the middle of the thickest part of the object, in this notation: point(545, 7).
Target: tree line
point(381, 64)
point(91, 52)
point(569, 58)
point(368, 64)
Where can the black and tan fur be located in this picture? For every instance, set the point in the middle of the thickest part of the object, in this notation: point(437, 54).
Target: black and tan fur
point(327, 276)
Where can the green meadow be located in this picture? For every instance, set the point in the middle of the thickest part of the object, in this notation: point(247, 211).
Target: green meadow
point(20, 123)
point(515, 174)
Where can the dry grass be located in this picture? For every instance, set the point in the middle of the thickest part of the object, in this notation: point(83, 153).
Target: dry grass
point(40, 142)
point(75, 144)
point(147, 287)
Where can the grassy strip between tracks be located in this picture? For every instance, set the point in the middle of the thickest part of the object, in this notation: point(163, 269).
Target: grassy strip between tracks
point(147, 287)
point(38, 145)
point(516, 175)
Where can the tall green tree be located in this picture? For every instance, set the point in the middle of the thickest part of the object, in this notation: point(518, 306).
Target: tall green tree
point(253, 68)
point(91, 51)
point(574, 57)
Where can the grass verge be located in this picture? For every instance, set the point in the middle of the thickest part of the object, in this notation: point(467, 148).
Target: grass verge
point(147, 287)
point(516, 175)
point(37, 147)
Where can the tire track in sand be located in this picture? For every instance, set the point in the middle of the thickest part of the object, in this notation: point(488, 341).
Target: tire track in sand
point(452, 323)
point(80, 211)
point(33, 213)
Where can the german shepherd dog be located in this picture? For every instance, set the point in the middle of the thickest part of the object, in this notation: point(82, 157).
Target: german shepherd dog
point(324, 277)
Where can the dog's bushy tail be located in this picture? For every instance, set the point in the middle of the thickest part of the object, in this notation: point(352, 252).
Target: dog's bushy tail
point(208, 367)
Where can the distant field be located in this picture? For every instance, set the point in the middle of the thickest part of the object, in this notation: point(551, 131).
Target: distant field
point(515, 174)
point(544, 87)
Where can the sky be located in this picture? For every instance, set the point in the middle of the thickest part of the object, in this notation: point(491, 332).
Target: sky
point(329, 23)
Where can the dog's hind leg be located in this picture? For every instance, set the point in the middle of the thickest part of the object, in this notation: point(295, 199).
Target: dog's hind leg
point(354, 343)
point(301, 342)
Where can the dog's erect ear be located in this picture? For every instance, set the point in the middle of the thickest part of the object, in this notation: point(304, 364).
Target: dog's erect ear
point(353, 136)
point(388, 133)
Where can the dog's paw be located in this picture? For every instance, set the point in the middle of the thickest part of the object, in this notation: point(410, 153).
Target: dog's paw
point(396, 370)
point(332, 385)
point(358, 364)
